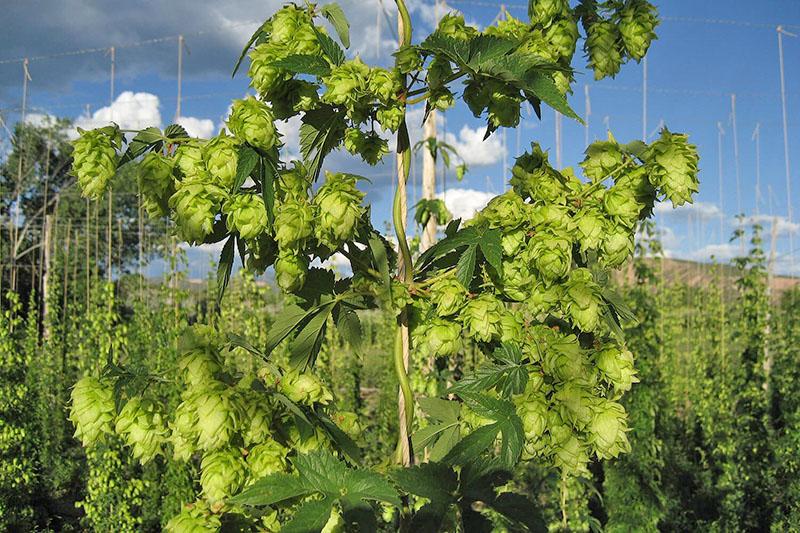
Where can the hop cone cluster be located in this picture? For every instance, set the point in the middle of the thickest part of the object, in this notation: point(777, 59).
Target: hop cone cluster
point(94, 159)
point(92, 410)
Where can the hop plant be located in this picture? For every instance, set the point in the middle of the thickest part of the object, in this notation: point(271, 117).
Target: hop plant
point(533, 177)
point(562, 357)
point(513, 241)
point(512, 325)
point(220, 156)
point(384, 85)
point(247, 215)
point(195, 205)
point(532, 409)
point(305, 388)
point(607, 429)
point(637, 21)
point(616, 368)
point(218, 415)
point(92, 410)
point(452, 25)
point(621, 204)
point(602, 159)
point(252, 121)
point(570, 453)
point(441, 338)
point(517, 279)
point(544, 11)
point(94, 159)
point(672, 167)
point(562, 37)
point(266, 458)
point(338, 204)
point(603, 47)
point(448, 295)
point(481, 317)
point(505, 211)
point(589, 227)
point(618, 245)
point(582, 301)
point(256, 419)
point(390, 117)
point(264, 76)
point(183, 431)
point(142, 427)
point(222, 474)
point(189, 161)
point(155, 183)
point(347, 83)
point(200, 361)
point(194, 518)
point(290, 270)
point(574, 403)
point(292, 184)
point(370, 146)
point(550, 253)
point(293, 222)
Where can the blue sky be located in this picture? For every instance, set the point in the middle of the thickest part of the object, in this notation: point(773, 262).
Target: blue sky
point(706, 51)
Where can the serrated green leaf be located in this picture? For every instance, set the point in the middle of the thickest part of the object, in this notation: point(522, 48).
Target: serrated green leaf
point(508, 423)
point(270, 490)
point(485, 49)
point(463, 237)
point(443, 430)
point(329, 48)
point(455, 50)
point(175, 131)
point(381, 259)
point(434, 481)
point(492, 249)
point(146, 139)
point(367, 485)
point(225, 267)
point(465, 268)
point(267, 170)
point(246, 162)
point(544, 88)
point(305, 347)
point(310, 517)
point(322, 130)
point(341, 440)
point(473, 445)
point(304, 64)
point(333, 12)
point(285, 322)
point(349, 326)
point(520, 510)
point(261, 30)
point(321, 471)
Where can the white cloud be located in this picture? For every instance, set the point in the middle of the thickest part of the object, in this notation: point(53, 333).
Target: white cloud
point(720, 252)
point(476, 151)
point(464, 203)
point(783, 226)
point(40, 120)
point(290, 131)
point(697, 210)
point(130, 110)
point(197, 127)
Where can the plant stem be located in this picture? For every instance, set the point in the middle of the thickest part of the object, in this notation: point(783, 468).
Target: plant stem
point(402, 340)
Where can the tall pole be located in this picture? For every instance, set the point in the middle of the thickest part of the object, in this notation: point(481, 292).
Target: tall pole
point(26, 77)
point(558, 139)
point(757, 139)
point(428, 164)
point(587, 111)
point(737, 172)
point(787, 167)
point(720, 134)
point(644, 99)
point(109, 232)
point(180, 78)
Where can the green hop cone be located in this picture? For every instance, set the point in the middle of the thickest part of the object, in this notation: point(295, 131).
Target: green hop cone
point(570, 452)
point(504, 107)
point(247, 215)
point(532, 410)
point(196, 205)
point(562, 36)
point(582, 300)
point(442, 338)
point(92, 410)
point(155, 183)
point(533, 177)
point(543, 298)
point(266, 458)
point(603, 46)
point(618, 245)
point(672, 167)
point(194, 518)
point(589, 227)
point(257, 418)
point(199, 364)
point(305, 388)
point(293, 26)
point(290, 270)
point(481, 317)
point(390, 117)
point(544, 11)
point(550, 216)
point(637, 181)
point(637, 21)
point(562, 356)
point(621, 204)
point(513, 241)
point(339, 209)
point(574, 402)
point(550, 253)
point(563, 81)
point(293, 222)
point(218, 415)
point(510, 28)
point(261, 253)
point(448, 295)
point(347, 83)
point(442, 99)
point(222, 474)
point(476, 95)
point(221, 155)
point(183, 431)
point(292, 184)
point(142, 427)
point(253, 122)
point(512, 326)
point(602, 159)
point(293, 97)
point(517, 279)
point(265, 78)
point(94, 159)
point(408, 59)
point(616, 367)
point(348, 422)
point(607, 429)
point(384, 84)
point(507, 210)
point(453, 26)
point(189, 160)
point(371, 146)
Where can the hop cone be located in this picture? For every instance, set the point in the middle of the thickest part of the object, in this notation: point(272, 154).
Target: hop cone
point(141, 426)
point(574, 403)
point(247, 214)
point(582, 301)
point(218, 415)
point(618, 246)
point(293, 183)
point(348, 422)
point(562, 357)
point(252, 121)
point(602, 159)
point(200, 361)
point(562, 36)
point(194, 518)
point(293, 97)
point(453, 26)
point(92, 410)
point(287, 22)
point(293, 222)
point(265, 459)
point(622, 205)
point(390, 117)
point(222, 474)
point(603, 45)
point(347, 83)
point(513, 241)
point(550, 216)
point(305, 388)
point(441, 338)
point(533, 177)
point(570, 453)
point(517, 279)
point(195, 206)
point(264, 76)
point(637, 22)
point(183, 431)
point(544, 11)
point(510, 28)
point(94, 160)
point(221, 155)
point(607, 430)
point(370, 146)
point(338, 204)
point(477, 95)
point(257, 417)
point(290, 270)
point(507, 210)
point(616, 367)
point(512, 325)
point(448, 295)
point(589, 227)
point(482, 316)
point(543, 298)
point(408, 59)
point(504, 107)
point(384, 85)
point(532, 409)
point(550, 253)
point(672, 167)
point(155, 182)
point(189, 161)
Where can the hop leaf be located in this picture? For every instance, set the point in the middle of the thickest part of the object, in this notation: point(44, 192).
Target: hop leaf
point(92, 410)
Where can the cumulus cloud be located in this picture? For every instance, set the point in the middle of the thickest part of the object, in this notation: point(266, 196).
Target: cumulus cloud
point(697, 210)
point(721, 252)
point(464, 203)
point(782, 224)
point(197, 127)
point(476, 152)
point(40, 120)
point(290, 132)
point(130, 110)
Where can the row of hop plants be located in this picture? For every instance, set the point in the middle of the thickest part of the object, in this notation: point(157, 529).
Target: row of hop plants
point(526, 281)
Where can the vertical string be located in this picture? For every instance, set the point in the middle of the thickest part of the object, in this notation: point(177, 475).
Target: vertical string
point(787, 167)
